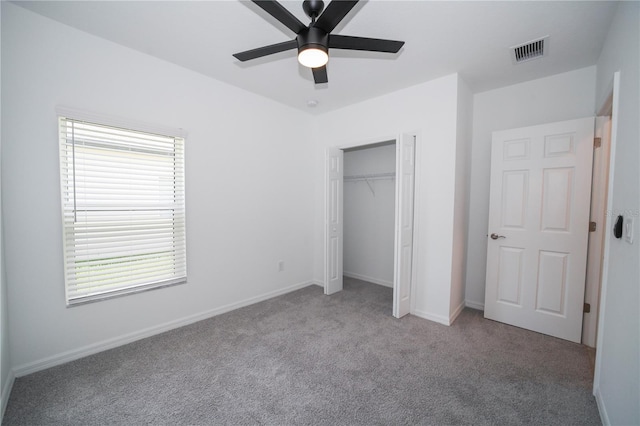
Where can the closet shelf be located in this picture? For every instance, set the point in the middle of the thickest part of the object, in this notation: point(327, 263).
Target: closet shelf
point(371, 176)
point(368, 178)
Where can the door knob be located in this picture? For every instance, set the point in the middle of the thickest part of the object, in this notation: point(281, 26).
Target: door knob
point(495, 236)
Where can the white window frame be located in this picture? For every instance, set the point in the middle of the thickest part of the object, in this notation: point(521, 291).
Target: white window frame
point(123, 203)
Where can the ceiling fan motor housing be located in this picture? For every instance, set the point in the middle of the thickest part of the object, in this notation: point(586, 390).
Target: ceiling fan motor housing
point(313, 37)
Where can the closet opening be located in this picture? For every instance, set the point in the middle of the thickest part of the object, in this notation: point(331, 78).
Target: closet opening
point(369, 219)
point(377, 181)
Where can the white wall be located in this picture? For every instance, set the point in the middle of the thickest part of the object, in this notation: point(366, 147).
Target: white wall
point(369, 216)
point(5, 364)
point(248, 178)
point(617, 384)
point(560, 97)
point(429, 109)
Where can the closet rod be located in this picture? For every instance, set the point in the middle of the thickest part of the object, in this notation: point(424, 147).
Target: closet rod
point(371, 176)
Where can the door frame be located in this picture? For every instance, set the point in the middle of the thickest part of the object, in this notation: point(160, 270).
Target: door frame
point(599, 200)
point(609, 106)
point(374, 141)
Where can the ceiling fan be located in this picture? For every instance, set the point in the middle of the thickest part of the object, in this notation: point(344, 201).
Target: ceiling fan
point(314, 41)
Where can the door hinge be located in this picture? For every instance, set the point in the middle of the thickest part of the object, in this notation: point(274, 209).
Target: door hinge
point(592, 227)
point(587, 308)
point(597, 142)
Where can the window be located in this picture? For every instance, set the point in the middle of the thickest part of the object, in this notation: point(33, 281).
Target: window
point(123, 210)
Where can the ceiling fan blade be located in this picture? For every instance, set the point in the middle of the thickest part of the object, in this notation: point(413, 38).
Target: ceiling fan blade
point(364, 43)
point(278, 11)
point(320, 74)
point(334, 13)
point(266, 50)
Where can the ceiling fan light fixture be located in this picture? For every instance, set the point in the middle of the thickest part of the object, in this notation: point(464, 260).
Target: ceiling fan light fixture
point(314, 40)
point(313, 56)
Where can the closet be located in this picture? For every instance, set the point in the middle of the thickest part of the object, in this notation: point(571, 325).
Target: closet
point(369, 212)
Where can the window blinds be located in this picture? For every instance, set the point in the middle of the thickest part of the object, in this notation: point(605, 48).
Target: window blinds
point(123, 210)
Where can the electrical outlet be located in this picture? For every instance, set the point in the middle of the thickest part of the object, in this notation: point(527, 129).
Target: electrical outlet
point(628, 230)
point(281, 266)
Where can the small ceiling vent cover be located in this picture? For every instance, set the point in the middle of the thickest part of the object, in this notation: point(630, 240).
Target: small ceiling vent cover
point(531, 50)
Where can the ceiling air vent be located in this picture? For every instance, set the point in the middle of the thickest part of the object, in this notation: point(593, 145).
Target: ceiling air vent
point(531, 50)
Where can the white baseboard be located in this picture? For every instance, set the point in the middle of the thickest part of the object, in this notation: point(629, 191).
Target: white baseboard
point(456, 312)
point(368, 279)
point(431, 317)
point(6, 392)
point(474, 305)
point(94, 348)
point(441, 319)
point(604, 417)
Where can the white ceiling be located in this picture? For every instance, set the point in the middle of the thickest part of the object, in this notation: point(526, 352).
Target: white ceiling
point(442, 37)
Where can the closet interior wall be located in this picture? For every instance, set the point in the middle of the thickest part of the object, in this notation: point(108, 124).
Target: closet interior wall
point(369, 212)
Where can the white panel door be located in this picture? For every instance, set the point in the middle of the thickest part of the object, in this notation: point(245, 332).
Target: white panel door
point(333, 221)
point(539, 226)
point(405, 178)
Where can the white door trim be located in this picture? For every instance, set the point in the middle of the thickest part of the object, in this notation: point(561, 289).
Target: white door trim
point(599, 198)
point(612, 100)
